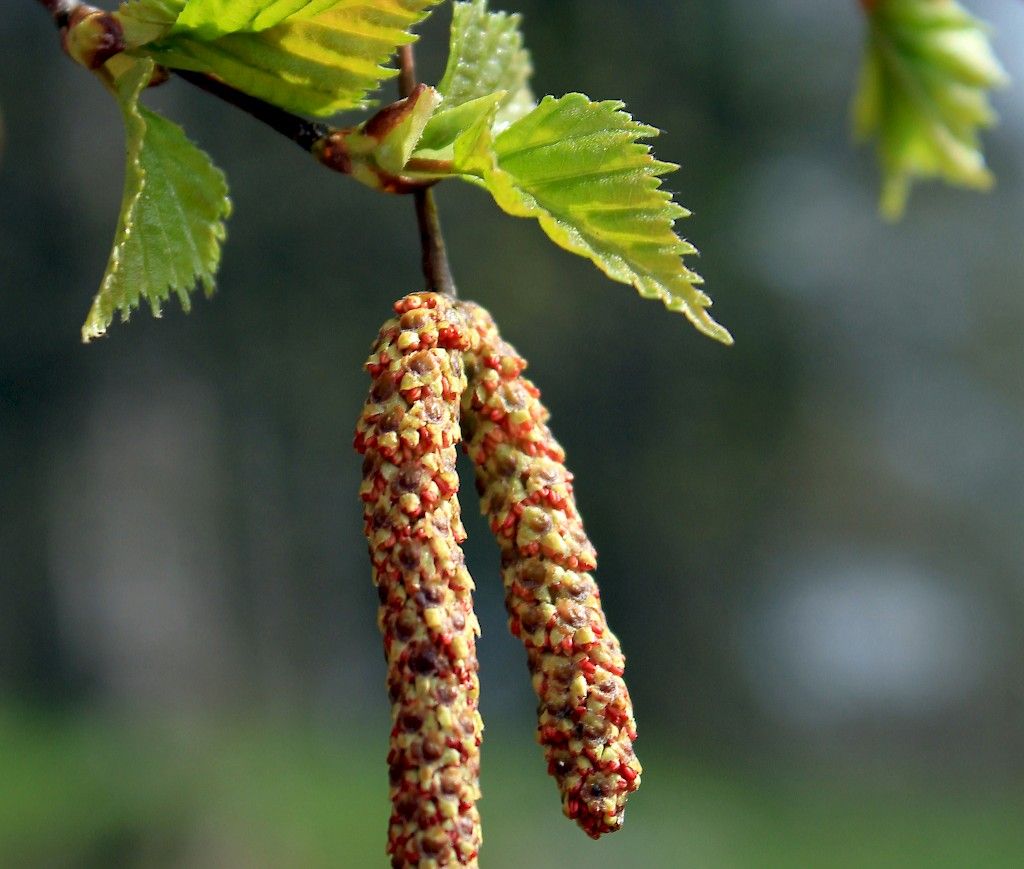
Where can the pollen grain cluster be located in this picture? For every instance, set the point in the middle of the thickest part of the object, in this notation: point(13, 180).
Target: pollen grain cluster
point(408, 434)
point(586, 721)
point(438, 368)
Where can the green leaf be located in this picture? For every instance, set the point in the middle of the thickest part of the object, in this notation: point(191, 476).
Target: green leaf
point(172, 214)
point(378, 149)
point(487, 55)
point(923, 94)
point(144, 21)
point(470, 121)
point(314, 57)
point(579, 168)
point(393, 133)
point(209, 19)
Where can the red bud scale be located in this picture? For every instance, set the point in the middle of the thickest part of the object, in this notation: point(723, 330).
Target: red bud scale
point(586, 721)
point(408, 434)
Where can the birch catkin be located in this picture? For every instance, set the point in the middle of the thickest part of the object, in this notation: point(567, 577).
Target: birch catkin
point(586, 721)
point(408, 434)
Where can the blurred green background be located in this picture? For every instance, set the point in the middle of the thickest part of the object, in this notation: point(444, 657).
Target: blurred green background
point(810, 543)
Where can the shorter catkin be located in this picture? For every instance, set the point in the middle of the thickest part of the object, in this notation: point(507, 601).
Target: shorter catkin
point(408, 434)
point(586, 721)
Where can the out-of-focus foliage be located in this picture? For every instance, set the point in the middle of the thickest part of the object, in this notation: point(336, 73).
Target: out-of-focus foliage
point(237, 797)
point(924, 94)
point(173, 209)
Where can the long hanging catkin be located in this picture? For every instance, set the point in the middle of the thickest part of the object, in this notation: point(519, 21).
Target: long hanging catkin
point(408, 433)
point(586, 721)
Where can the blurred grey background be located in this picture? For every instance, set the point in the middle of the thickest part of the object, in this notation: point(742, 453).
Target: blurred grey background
point(810, 543)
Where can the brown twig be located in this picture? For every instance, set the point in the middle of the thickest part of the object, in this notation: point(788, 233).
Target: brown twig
point(327, 144)
point(304, 133)
point(436, 269)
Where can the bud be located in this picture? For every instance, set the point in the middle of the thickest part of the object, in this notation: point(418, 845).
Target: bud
point(586, 721)
point(91, 36)
point(408, 434)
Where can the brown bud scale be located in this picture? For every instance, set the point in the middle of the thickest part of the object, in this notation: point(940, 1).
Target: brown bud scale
point(408, 434)
point(91, 36)
point(586, 723)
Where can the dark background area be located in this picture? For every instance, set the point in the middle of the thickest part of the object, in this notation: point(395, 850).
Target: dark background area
point(810, 543)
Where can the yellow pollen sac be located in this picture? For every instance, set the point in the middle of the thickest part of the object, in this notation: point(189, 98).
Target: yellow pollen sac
point(578, 688)
point(460, 647)
point(408, 341)
point(409, 503)
point(584, 636)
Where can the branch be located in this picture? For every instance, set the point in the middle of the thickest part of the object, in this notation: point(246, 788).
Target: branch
point(328, 145)
point(435, 256)
point(70, 14)
point(305, 134)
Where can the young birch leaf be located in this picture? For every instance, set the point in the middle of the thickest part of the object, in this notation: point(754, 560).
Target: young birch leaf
point(160, 15)
point(210, 19)
point(924, 94)
point(171, 226)
point(144, 21)
point(579, 168)
point(487, 55)
point(315, 58)
point(385, 143)
point(466, 128)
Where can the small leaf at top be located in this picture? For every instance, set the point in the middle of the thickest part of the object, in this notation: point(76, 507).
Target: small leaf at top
point(173, 209)
point(579, 168)
point(487, 55)
point(315, 57)
point(923, 93)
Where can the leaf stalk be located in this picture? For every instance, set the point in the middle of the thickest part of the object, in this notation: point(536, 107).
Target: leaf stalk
point(436, 268)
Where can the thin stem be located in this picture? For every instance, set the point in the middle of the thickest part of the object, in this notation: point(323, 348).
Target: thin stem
point(436, 268)
point(406, 71)
point(435, 256)
point(303, 133)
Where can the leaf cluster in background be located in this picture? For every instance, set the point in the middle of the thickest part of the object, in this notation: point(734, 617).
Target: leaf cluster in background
point(923, 95)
